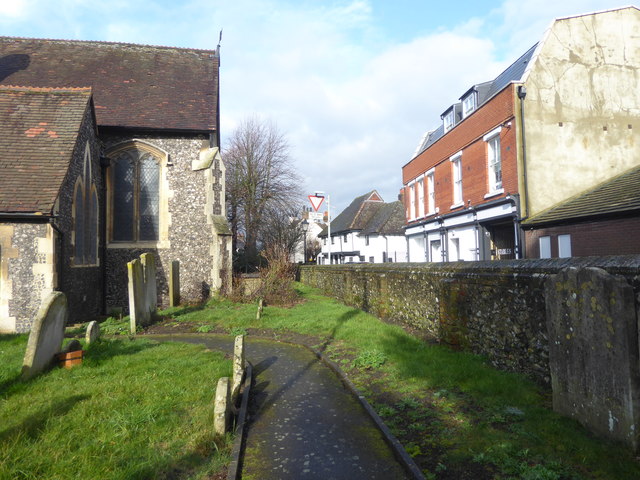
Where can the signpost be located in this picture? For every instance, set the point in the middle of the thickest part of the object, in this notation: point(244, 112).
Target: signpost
point(316, 200)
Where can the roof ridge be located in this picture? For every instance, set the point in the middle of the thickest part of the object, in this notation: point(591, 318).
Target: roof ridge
point(27, 88)
point(106, 42)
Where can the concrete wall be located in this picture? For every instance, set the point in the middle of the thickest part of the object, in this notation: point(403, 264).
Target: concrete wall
point(582, 108)
point(496, 309)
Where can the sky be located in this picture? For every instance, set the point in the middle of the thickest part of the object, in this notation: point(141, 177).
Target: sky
point(352, 84)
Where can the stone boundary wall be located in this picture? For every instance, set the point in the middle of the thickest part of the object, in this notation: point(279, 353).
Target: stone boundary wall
point(495, 309)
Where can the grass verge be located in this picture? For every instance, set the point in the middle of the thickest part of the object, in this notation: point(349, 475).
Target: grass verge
point(455, 414)
point(134, 409)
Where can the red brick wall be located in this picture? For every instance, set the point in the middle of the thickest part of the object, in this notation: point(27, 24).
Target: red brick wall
point(597, 238)
point(467, 137)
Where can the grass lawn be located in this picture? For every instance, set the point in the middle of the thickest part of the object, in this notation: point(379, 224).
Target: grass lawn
point(134, 409)
point(458, 417)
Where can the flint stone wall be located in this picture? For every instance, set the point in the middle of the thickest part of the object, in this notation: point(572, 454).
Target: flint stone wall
point(496, 309)
point(191, 241)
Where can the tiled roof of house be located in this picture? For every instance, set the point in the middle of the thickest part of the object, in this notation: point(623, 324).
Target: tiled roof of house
point(388, 220)
point(369, 214)
point(137, 86)
point(617, 195)
point(38, 132)
point(487, 91)
point(358, 213)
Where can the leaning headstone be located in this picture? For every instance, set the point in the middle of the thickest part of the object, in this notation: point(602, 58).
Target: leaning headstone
point(260, 307)
point(174, 284)
point(593, 351)
point(221, 408)
point(238, 367)
point(46, 335)
point(142, 291)
point(92, 333)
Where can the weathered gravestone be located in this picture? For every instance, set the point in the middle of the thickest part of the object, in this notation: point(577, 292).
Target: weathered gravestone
point(260, 307)
point(593, 351)
point(142, 291)
point(222, 407)
point(92, 333)
point(238, 367)
point(47, 333)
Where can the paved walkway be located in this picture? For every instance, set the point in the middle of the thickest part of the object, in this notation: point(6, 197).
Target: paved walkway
point(303, 423)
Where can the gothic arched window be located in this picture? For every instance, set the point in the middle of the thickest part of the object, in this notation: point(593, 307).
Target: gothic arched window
point(135, 195)
point(85, 216)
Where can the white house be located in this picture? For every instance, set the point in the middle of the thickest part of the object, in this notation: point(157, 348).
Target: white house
point(368, 230)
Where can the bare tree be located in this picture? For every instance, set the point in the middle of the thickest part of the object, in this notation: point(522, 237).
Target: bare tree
point(314, 247)
point(260, 178)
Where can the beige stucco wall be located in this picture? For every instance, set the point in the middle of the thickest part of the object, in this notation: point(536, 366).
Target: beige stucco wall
point(582, 109)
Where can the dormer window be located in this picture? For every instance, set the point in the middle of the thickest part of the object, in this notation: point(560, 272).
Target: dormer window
point(468, 104)
point(448, 120)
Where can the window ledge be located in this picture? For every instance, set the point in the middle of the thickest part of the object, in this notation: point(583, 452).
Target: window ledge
point(457, 205)
point(494, 193)
point(158, 244)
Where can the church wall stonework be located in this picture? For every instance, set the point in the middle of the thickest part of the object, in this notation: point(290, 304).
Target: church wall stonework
point(27, 278)
point(190, 236)
point(82, 284)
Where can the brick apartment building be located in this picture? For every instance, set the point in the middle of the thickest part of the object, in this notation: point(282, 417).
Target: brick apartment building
point(561, 120)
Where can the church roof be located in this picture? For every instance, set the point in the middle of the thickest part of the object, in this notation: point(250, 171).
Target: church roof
point(134, 86)
point(39, 130)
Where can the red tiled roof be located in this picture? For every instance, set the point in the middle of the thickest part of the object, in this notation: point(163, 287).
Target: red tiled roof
point(38, 131)
point(136, 86)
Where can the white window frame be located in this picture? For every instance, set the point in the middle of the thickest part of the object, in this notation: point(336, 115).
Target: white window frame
point(420, 182)
point(456, 179)
point(431, 193)
point(544, 244)
point(564, 245)
point(468, 104)
point(448, 120)
point(494, 158)
point(412, 201)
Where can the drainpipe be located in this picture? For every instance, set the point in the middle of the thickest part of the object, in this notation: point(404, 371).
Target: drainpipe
point(522, 93)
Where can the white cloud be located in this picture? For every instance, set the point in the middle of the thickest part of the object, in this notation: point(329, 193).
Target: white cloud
point(353, 101)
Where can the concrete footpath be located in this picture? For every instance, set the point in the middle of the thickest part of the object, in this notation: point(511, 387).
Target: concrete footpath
point(303, 423)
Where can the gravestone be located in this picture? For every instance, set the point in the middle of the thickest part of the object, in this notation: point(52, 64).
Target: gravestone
point(174, 284)
point(92, 333)
point(221, 408)
point(260, 307)
point(47, 333)
point(142, 291)
point(593, 351)
point(238, 367)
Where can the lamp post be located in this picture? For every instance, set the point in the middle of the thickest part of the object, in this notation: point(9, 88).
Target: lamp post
point(305, 229)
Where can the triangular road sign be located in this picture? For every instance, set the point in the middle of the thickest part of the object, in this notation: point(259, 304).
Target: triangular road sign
point(316, 201)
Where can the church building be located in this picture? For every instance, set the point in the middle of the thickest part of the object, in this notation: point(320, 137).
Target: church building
point(107, 151)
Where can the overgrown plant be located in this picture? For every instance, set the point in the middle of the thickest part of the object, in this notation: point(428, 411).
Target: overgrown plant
point(277, 277)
